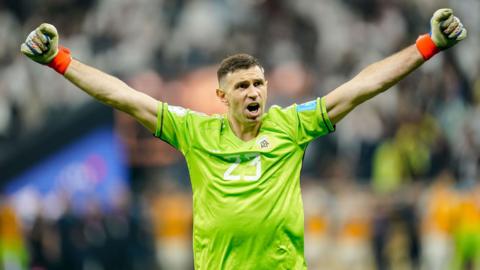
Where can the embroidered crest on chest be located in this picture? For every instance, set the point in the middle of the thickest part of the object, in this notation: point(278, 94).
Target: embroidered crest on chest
point(263, 143)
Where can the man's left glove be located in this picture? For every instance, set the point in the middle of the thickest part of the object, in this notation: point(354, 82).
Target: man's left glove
point(446, 30)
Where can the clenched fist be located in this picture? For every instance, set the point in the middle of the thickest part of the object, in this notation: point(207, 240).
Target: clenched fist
point(41, 44)
point(446, 29)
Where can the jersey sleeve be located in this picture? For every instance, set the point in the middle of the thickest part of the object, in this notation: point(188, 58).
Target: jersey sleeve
point(307, 121)
point(172, 126)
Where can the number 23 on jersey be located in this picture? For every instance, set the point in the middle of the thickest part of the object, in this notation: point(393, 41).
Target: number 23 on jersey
point(246, 167)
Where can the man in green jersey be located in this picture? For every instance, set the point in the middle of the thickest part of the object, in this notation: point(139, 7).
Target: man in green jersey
point(245, 165)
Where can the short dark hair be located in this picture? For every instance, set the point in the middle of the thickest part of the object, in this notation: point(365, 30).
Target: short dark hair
point(236, 62)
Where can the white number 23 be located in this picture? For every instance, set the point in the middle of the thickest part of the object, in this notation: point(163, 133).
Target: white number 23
point(255, 162)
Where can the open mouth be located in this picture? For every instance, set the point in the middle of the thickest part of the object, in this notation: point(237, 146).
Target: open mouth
point(253, 107)
point(253, 110)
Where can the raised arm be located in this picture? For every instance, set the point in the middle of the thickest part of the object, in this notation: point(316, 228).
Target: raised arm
point(446, 31)
point(114, 92)
point(371, 81)
point(42, 46)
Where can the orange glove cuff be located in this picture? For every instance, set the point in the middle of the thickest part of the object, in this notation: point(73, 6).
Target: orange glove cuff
point(426, 47)
point(61, 61)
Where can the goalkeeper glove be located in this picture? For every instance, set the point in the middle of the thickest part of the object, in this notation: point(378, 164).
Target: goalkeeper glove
point(446, 30)
point(42, 47)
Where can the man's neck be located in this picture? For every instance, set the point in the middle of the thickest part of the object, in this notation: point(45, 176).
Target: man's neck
point(244, 131)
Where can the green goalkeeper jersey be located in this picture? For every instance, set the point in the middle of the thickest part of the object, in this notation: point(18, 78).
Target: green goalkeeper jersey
point(247, 205)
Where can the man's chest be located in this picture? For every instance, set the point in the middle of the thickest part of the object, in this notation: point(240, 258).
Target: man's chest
point(227, 159)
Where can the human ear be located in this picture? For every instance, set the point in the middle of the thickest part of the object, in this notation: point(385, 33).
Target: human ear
point(222, 96)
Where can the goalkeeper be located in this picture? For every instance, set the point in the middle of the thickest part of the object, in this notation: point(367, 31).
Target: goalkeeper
point(245, 165)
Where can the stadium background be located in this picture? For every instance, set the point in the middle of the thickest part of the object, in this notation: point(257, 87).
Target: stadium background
point(83, 187)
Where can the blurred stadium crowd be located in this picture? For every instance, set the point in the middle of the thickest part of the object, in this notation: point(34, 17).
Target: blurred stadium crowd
point(397, 186)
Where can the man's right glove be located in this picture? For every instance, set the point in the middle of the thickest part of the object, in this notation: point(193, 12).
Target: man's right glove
point(42, 47)
point(446, 30)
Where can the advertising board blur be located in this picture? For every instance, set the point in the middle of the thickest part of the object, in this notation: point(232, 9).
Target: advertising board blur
point(90, 170)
